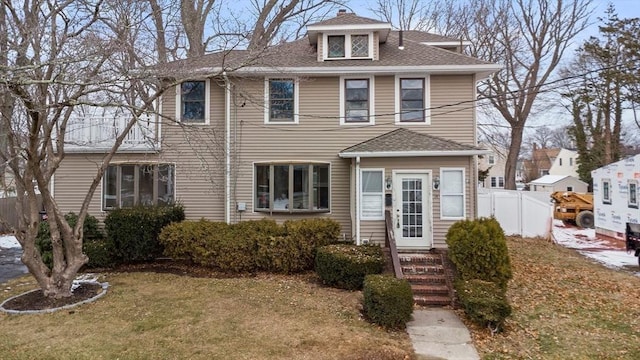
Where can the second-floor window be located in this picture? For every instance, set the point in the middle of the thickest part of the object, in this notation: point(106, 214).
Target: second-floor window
point(127, 185)
point(412, 100)
point(281, 99)
point(492, 160)
point(356, 101)
point(560, 162)
point(497, 182)
point(193, 101)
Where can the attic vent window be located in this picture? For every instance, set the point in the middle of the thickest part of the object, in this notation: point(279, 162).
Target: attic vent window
point(348, 46)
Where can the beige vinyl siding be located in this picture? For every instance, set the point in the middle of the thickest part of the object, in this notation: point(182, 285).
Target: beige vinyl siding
point(454, 122)
point(75, 175)
point(376, 46)
point(375, 230)
point(198, 151)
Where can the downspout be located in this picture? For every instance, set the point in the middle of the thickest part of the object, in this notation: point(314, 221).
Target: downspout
point(357, 200)
point(227, 149)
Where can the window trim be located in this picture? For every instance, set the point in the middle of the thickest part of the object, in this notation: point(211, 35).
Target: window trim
point(207, 102)
point(136, 182)
point(382, 194)
point(606, 200)
point(632, 204)
point(464, 193)
point(347, 45)
point(499, 179)
point(267, 101)
point(491, 159)
point(270, 210)
point(426, 101)
point(372, 105)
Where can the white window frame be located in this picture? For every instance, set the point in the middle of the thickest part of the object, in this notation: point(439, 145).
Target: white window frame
point(632, 203)
point(606, 200)
point(443, 195)
point(347, 44)
point(267, 101)
point(426, 100)
point(372, 104)
point(491, 159)
point(207, 102)
point(271, 199)
point(381, 194)
point(104, 208)
point(498, 181)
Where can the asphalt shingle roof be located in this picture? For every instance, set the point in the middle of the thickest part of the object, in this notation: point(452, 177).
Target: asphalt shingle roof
point(348, 19)
point(404, 140)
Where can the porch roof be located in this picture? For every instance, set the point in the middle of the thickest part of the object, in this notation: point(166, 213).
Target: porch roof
point(406, 143)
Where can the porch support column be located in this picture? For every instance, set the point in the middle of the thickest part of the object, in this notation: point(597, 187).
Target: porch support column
point(358, 200)
point(227, 148)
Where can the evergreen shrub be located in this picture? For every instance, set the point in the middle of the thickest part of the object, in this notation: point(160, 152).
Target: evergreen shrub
point(387, 301)
point(346, 265)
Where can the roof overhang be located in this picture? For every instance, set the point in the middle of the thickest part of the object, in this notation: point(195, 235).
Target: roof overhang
point(423, 153)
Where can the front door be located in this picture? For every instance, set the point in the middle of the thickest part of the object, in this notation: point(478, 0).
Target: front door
point(412, 210)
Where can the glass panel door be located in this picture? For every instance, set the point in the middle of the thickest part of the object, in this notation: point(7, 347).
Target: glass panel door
point(412, 210)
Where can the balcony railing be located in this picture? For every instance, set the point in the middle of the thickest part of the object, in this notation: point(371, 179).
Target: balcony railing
point(98, 134)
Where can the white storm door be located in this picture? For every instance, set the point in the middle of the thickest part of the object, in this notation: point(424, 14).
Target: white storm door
point(412, 210)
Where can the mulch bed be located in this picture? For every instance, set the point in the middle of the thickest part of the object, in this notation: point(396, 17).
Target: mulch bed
point(35, 300)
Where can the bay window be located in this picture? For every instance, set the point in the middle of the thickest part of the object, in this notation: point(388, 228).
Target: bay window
point(291, 187)
point(127, 185)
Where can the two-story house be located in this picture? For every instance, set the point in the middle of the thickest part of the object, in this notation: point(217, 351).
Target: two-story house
point(349, 121)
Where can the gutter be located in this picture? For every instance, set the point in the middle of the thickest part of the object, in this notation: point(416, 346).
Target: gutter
point(358, 200)
point(227, 140)
point(381, 154)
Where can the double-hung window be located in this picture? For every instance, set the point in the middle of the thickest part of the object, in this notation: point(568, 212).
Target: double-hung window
point(372, 194)
point(192, 101)
point(492, 160)
point(357, 101)
point(633, 193)
point(127, 185)
point(291, 187)
point(412, 101)
point(497, 182)
point(281, 98)
point(606, 191)
point(452, 198)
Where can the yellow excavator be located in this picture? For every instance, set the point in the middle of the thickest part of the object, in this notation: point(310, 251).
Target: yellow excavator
point(572, 207)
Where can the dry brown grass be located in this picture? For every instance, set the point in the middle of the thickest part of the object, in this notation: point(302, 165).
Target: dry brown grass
point(565, 307)
point(164, 316)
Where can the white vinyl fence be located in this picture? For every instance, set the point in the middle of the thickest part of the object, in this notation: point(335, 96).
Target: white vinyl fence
point(518, 212)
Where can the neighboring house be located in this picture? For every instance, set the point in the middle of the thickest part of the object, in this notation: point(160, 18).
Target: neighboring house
point(495, 163)
point(550, 183)
point(349, 121)
point(565, 163)
point(615, 196)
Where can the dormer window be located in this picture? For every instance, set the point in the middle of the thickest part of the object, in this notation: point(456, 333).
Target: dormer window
point(350, 46)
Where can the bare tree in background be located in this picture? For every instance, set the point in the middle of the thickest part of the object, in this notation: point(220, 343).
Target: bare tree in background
point(528, 37)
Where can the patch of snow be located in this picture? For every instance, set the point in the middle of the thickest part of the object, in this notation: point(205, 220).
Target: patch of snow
point(9, 241)
point(610, 253)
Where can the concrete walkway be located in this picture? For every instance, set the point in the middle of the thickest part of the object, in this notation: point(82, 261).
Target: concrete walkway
point(439, 334)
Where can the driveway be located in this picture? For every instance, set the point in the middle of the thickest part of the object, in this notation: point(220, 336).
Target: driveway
point(10, 264)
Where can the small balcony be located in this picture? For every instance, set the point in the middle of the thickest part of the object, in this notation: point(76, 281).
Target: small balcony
point(98, 134)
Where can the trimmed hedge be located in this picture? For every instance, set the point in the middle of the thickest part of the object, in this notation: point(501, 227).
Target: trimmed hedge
point(387, 301)
point(250, 246)
point(134, 231)
point(345, 266)
point(478, 249)
point(94, 245)
point(484, 302)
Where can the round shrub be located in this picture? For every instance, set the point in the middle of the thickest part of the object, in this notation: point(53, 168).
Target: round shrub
point(484, 302)
point(345, 266)
point(92, 243)
point(387, 301)
point(478, 249)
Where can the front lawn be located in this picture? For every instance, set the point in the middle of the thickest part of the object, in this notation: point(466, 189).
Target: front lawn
point(565, 306)
point(149, 315)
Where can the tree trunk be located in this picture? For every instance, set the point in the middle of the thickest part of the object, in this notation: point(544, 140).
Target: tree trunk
point(511, 165)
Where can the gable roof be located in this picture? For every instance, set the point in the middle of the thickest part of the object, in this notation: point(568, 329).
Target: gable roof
point(404, 142)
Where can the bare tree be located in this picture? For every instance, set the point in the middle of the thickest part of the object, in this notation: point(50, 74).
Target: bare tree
point(529, 37)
